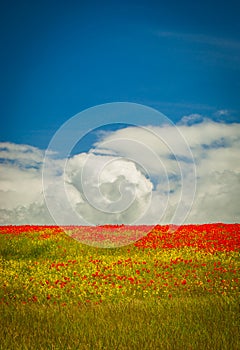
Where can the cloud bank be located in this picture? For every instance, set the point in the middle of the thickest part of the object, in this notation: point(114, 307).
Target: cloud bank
point(132, 175)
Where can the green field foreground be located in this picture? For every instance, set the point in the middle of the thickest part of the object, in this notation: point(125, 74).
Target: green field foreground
point(183, 323)
point(160, 293)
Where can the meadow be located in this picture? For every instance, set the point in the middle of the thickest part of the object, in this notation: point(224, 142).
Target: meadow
point(174, 288)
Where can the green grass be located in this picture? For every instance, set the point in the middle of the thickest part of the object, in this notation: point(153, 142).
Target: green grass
point(110, 311)
point(182, 323)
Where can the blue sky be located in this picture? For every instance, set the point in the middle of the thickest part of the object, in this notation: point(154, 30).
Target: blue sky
point(61, 57)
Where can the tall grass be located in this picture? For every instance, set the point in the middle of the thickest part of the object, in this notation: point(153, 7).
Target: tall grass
point(182, 323)
point(56, 293)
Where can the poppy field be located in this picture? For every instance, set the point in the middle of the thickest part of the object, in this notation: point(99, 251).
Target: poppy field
point(165, 290)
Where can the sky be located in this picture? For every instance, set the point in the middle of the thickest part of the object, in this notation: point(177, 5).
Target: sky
point(60, 58)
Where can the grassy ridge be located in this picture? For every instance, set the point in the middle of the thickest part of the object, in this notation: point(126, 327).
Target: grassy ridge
point(185, 323)
point(56, 293)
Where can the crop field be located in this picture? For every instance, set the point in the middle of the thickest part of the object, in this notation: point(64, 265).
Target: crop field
point(173, 288)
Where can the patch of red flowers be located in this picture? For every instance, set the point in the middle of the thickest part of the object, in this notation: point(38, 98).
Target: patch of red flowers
point(16, 230)
point(209, 237)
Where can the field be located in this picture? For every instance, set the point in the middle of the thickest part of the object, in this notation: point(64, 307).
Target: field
point(174, 288)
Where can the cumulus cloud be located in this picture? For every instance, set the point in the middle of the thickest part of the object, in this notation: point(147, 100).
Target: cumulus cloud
point(100, 189)
point(132, 175)
point(191, 119)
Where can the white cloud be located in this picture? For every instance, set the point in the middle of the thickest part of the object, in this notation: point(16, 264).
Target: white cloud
point(208, 49)
point(217, 198)
point(191, 119)
point(132, 175)
point(106, 189)
point(202, 39)
point(23, 154)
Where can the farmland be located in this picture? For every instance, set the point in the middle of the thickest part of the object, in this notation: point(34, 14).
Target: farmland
point(174, 288)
